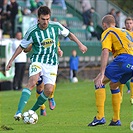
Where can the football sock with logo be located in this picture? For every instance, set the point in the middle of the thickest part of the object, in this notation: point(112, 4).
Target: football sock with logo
point(41, 99)
point(128, 84)
point(52, 94)
point(131, 88)
point(23, 100)
point(116, 100)
point(100, 99)
point(37, 95)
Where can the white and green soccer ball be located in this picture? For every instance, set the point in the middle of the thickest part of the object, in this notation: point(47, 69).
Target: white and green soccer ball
point(30, 117)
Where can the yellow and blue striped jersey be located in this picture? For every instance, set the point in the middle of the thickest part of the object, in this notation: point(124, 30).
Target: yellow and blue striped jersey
point(118, 41)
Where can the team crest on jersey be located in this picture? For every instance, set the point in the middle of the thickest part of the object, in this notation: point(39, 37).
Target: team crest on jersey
point(47, 42)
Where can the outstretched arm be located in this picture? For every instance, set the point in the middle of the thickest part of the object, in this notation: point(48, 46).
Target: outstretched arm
point(17, 52)
point(82, 47)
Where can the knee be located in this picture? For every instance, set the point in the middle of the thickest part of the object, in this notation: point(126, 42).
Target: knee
point(48, 90)
point(113, 86)
point(31, 84)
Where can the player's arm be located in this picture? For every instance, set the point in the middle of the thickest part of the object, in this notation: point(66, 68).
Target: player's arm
point(104, 60)
point(28, 49)
point(82, 47)
point(17, 52)
point(106, 48)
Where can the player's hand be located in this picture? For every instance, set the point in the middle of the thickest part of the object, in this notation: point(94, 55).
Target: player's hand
point(60, 52)
point(8, 65)
point(99, 80)
point(83, 48)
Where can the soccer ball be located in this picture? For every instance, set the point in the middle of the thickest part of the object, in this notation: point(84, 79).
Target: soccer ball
point(131, 126)
point(30, 117)
point(75, 80)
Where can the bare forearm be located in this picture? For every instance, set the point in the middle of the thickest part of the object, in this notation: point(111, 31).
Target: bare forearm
point(82, 47)
point(75, 39)
point(17, 52)
point(104, 60)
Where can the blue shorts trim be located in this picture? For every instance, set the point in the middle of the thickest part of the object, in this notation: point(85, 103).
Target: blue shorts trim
point(39, 81)
point(115, 91)
point(103, 86)
point(39, 92)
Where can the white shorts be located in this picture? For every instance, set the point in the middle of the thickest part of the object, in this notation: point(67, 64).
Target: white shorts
point(49, 72)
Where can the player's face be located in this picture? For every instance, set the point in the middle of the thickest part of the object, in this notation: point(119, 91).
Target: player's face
point(43, 21)
point(129, 25)
point(104, 26)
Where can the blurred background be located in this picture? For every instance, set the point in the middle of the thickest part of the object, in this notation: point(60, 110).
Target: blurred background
point(82, 17)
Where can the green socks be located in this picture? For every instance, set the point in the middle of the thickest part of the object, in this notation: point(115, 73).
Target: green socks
point(128, 84)
point(41, 99)
point(23, 100)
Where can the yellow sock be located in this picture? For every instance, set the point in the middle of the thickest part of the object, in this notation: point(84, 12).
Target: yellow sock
point(52, 94)
point(42, 106)
point(100, 99)
point(121, 91)
point(116, 102)
point(131, 87)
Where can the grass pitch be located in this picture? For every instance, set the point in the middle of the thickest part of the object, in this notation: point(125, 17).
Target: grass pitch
point(75, 108)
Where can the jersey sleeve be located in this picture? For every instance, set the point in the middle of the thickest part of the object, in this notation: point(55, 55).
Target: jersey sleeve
point(107, 40)
point(63, 31)
point(27, 40)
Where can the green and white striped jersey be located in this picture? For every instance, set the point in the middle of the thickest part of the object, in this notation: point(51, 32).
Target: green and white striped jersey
point(44, 42)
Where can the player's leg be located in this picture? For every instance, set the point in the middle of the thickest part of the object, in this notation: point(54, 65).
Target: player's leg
point(26, 92)
point(34, 72)
point(51, 100)
point(121, 91)
point(100, 96)
point(43, 96)
point(128, 86)
point(50, 74)
point(116, 102)
point(39, 90)
point(99, 118)
point(131, 89)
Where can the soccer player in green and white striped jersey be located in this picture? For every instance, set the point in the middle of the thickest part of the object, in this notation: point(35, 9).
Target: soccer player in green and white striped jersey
point(44, 60)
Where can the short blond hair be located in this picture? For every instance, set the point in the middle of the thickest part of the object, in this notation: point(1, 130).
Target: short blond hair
point(108, 19)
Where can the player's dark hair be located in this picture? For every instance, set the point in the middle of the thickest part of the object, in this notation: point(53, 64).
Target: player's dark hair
point(44, 10)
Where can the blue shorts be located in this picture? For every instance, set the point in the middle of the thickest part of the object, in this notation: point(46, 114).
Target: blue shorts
point(121, 69)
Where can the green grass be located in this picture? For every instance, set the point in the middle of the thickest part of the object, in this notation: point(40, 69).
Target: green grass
point(75, 109)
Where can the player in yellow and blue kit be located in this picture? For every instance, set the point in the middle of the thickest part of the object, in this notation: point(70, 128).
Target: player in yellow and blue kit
point(119, 71)
point(129, 83)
